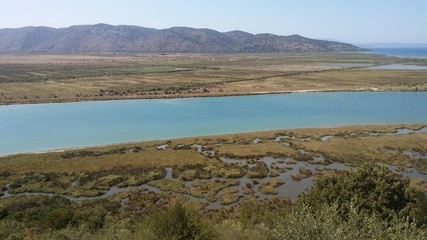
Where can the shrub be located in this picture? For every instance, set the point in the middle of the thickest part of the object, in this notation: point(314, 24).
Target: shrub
point(178, 223)
point(374, 188)
point(325, 222)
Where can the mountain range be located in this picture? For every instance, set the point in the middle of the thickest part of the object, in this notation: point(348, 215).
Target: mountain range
point(125, 38)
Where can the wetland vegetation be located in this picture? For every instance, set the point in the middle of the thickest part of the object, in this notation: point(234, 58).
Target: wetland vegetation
point(346, 182)
point(365, 181)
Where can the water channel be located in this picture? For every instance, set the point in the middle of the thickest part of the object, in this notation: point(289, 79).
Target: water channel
point(42, 127)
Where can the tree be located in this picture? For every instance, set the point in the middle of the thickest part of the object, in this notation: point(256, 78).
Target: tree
point(372, 188)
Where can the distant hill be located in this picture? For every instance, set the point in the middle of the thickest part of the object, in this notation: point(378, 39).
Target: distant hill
point(123, 38)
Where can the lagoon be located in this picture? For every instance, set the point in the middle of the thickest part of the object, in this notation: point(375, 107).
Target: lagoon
point(399, 67)
point(42, 127)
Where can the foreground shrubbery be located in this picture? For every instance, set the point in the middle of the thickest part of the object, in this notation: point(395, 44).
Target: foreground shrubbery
point(371, 202)
point(368, 203)
point(374, 189)
point(178, 223)
point(325, 222)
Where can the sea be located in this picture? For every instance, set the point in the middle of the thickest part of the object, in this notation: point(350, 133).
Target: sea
point(400, 52)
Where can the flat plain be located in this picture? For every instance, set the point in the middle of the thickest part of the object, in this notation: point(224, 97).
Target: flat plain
point(35, 78)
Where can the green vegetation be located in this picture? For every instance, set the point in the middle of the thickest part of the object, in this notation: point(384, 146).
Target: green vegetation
point(270, 187)
point(365, 189)
point(121, 191)
point(369, 203)
point(65, 78)
point(128, 195)
point(229, 196)
point(259, 171)
point(325, 222)
point(87, 184)
point(211, 188)
point(255, 150)
point(399, 213)
point(178, 223)
point(170, 185)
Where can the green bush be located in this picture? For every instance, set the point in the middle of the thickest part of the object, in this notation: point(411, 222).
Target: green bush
point(178, 223)
point(233, 230)
point(325, 222)
point(370, 202)
point(373, 188)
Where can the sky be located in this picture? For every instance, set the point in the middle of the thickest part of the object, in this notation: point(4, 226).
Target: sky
point(354, 21)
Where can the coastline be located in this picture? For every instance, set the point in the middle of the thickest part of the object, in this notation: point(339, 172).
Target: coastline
point(66, 78)
point(132, 97)
point(412, 126)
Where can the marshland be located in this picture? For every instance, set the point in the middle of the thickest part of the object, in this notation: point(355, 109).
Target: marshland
point(234, 181)
point(218, 176)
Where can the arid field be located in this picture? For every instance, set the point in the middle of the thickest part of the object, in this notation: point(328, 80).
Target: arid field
point(34, 78)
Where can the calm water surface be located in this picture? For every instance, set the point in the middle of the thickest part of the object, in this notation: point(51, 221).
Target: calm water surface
point(399, 67)
point(40, 127)
point(401, 52)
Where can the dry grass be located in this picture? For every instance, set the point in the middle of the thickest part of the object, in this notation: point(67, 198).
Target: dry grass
point(229, 196)
point(337, 80)
point(256, 150)
point(64, 78)
point(317, 133)
point(270, 187)
point(97, 169)
point(171, 185)
point(53, 162)
point(342, 147)
point(361, 149)
point(211, 188)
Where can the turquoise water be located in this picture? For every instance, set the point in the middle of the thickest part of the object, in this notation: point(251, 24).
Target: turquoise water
point(40, 127)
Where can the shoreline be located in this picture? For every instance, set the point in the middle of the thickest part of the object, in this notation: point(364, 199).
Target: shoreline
point(198, 75)
point(118, 144)
point(373, 89)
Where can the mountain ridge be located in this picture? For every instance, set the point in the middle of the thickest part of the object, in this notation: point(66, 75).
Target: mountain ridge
point(128, 38)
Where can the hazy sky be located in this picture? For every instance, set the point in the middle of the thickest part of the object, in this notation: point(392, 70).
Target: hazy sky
point(357, 21)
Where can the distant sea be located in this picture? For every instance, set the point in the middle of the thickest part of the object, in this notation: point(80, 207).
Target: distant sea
point(400, 52)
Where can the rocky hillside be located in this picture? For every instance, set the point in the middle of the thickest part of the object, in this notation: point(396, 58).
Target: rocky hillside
point(123, 38)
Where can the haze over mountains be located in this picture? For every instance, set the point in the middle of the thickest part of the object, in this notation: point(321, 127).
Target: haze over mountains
point(124, 38)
